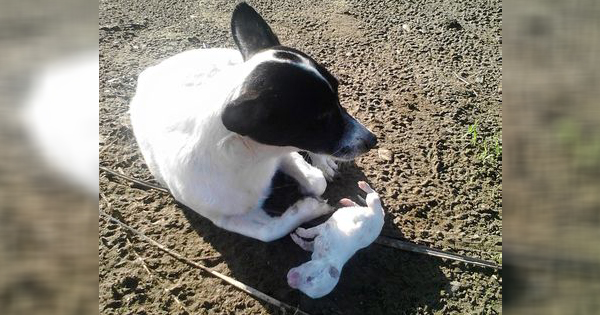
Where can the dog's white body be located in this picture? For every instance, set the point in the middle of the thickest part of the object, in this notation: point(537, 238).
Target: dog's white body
point(175, 115)
point(214, 125)
point(175, 118)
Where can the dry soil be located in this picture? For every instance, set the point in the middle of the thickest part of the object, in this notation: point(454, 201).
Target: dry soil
point(425, 76)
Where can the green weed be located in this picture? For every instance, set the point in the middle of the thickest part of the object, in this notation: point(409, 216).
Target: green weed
point(472, 130)
point(498, 147)
point(486, 148)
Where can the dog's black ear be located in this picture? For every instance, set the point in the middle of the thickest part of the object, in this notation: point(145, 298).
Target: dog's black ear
point(250, 32)
point(243, 114)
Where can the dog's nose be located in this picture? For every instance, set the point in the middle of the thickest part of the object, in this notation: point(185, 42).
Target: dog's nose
point(370, 141)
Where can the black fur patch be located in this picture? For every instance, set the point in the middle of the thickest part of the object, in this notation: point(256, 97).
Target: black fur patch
point(326, 74)
point(284, 105)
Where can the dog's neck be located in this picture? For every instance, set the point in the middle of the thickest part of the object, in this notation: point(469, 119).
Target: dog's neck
point(249, 163)
point(214, 141)
point(247, 151)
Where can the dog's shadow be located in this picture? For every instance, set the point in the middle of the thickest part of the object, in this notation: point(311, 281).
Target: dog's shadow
point(376, 280)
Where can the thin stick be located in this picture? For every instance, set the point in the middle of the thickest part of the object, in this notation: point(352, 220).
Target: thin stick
point(142, 235)
point(137, 181)
point(106, 147)
point(144, 263)
point(174, 296)
point(421, 249)
point(396, 243)
point(140, 259)
point(460, 78)
point(432, 242)
point(382, 240)
point(241, 286)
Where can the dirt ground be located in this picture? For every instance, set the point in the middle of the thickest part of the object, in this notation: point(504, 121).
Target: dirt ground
point(425, 77)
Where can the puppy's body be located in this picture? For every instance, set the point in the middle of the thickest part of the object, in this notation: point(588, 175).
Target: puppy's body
point(215, 125)
point(335, 242)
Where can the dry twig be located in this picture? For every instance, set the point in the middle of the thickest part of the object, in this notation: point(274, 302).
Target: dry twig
point(174, 296)
point(137, 181)
point(396, 243)
point(382, 240)
point(421, 249)
point(241, 286)
point(463, 80)
point(141, 260)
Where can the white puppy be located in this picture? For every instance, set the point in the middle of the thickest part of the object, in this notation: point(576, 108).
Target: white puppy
point(335, 241)
point(214, 125)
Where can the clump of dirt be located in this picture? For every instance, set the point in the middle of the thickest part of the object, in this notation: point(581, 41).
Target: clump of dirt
point(425, 78)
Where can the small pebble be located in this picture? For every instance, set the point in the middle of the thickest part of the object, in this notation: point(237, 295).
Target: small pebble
point(406, 28)
point(385, 154)
point(455, 285)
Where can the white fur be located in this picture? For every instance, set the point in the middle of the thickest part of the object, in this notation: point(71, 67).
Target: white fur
point(176, 118)
point(335, 241)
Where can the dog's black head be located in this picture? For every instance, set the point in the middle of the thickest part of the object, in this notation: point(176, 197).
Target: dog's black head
point(288, 99)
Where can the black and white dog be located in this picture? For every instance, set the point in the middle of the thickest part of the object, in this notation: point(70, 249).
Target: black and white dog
point(215, 125)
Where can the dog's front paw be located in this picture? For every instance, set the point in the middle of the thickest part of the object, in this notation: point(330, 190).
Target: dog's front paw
point(315, 183)
point(326, 164)
point(310, 208)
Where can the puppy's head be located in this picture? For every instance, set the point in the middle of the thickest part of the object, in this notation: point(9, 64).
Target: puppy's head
point(287, 98)
point(315, 278)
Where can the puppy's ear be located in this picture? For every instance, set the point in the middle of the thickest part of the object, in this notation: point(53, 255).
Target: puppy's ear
point(250, 32)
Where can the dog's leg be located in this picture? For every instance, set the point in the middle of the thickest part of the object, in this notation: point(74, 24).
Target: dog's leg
point(257, 224)
point(310, 178)
point(326, 164)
